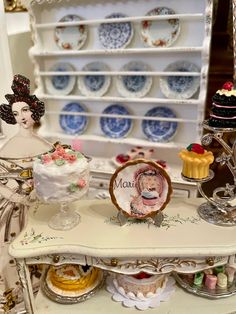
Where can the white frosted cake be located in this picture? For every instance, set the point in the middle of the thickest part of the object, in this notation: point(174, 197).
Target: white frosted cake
point(141, 285)
point(61, 175)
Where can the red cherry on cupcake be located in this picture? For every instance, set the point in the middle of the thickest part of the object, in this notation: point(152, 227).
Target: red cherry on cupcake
point(122, 158)
point(196, 148)
point(142, 275)
point(228, 85)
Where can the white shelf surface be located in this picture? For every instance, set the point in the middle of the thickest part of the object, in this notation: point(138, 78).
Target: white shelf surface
point(154, 100)
point(38, 52)
point(197, 16)
point(103, 139)
point(109, 240)
point(179, 303)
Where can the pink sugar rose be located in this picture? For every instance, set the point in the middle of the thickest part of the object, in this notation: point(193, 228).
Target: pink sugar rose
point(72, 158)
point(66, 156)
point(46, 159)
point(55, 156)
point(60, 150)
point(81, 183)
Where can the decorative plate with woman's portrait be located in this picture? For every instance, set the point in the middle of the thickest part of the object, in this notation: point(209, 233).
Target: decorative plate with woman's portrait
point(140, 188)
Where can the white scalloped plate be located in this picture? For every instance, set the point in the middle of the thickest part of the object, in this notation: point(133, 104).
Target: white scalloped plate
point(160, 33)
point(94, 85)
point(71, 37)
point(141, 304)
point(180, 87)
point(134, 85)
point(61, 84)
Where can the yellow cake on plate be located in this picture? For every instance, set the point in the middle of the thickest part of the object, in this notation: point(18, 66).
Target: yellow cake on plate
point(73, 280)
point(196, 161)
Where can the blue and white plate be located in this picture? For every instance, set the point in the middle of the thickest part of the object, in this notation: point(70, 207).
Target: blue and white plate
point(60, 84)
point(71, 37)
point(180, 87)
point(134, 85)
point(115, 35)
point(94, 85)
point(159, 131)
point(160, 33)
point(115, 127)
point(73, 124)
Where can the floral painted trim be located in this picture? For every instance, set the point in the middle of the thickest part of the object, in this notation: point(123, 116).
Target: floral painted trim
point(168, 221)
point(32, 237)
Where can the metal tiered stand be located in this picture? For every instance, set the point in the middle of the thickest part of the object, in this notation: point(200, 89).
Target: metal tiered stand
point(219, 209)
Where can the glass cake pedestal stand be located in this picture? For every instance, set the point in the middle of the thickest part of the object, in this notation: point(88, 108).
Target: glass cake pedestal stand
point(66, 218)
point(219, 208)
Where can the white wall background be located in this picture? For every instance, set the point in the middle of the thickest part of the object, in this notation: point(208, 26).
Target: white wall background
point(15, 41)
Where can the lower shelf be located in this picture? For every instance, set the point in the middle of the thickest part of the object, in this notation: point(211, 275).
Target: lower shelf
point(180, 303)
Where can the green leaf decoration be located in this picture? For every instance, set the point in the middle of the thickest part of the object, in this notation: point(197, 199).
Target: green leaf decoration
point(59, 162)
point(73, 187)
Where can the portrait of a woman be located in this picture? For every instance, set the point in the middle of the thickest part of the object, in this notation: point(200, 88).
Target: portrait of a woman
point(16, 159)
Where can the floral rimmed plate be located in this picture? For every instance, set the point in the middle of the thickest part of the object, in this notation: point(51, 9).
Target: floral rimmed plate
point(134, 85)
point(115, 35)
point(160, 33)
point(115, 127)
point(180, 87)
point(159, 131)
point(94, 85)
point(73, 124)
point(71, 37)
point(60, 84)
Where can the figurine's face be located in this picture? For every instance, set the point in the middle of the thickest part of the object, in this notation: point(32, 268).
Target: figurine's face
point(22, 114)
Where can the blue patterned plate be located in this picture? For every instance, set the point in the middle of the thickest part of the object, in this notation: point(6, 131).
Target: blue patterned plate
point(61, 84)
point(115, 35)
point(159, 131)
point(115, 127)
point(72, 124)
point(180, 87)
point(134, 85)
point(160, 33)
point(71, 37)
point(94, 85)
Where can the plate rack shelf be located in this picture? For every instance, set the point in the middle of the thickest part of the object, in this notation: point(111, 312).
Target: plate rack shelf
point(195, 17)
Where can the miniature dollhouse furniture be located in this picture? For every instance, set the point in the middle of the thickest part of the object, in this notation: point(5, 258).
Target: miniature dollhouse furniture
point(180, 245)
point(191, 16)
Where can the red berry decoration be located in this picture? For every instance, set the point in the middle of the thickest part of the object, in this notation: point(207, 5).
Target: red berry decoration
point(196, 148)
point(228, 85)
point(142, 275)
point(122, 158)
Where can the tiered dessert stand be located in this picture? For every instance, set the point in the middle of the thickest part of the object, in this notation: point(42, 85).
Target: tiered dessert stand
point(220, 208)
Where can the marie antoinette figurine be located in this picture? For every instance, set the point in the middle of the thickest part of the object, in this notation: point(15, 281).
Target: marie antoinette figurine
point(16, 158)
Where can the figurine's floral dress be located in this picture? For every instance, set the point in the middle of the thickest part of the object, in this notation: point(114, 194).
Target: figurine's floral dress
point(16, 177)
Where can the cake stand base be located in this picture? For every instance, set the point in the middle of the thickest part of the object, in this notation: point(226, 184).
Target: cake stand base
point(73, 299)
point(214, 216)
point(203, 291)
point(65, 219)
